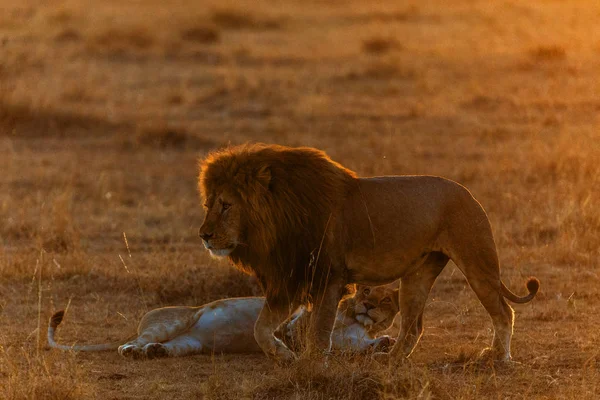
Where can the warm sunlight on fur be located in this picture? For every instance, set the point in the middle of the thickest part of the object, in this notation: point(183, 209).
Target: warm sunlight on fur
point(107, 106)
point(227, 326)
point(309, 227)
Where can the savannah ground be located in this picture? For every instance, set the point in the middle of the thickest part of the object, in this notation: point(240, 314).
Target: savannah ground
point(106, 108)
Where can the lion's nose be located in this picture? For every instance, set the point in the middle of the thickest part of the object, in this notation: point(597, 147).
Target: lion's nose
point(205, 235)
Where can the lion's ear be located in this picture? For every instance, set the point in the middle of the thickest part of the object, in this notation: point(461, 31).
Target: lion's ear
point(263, 176)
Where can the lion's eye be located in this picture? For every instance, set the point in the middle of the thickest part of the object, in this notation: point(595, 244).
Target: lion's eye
point(226, 206)
point(366, 292)
point(387, 300)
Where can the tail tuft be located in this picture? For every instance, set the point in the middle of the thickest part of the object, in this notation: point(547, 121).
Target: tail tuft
point(533, 285)
point(57, 318)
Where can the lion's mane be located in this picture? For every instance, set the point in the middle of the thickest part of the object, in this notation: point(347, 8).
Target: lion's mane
point(289, 196)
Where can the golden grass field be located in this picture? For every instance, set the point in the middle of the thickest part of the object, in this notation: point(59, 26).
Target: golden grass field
point(106, 107)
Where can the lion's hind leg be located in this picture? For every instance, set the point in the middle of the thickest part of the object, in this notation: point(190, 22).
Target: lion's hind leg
point(470, 244)
point(502, 318)
point(482, 272)
point(414, 291)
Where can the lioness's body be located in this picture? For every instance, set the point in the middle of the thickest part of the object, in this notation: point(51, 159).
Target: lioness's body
point(227, 326)
point(223, 326)
point(326, 225)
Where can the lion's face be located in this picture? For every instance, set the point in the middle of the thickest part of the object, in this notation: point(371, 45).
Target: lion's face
point(221, 229)
point(376, 306)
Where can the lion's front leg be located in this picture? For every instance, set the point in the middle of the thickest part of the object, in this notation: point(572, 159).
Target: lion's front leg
point(323, 317)
point(271, 317)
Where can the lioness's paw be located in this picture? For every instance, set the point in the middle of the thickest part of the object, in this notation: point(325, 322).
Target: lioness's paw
point(130, 351)
point(383, 344)
point(155, 350)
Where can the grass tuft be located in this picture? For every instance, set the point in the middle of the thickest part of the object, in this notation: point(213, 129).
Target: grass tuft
point(52, 376)
point(26, 120)
point(161, 136)
point(57, 232)
point(236, 19)
point(381, 70)
point(380, 45)
point(68, 35)
point(205, 34)
point(548, 53)
point(123, 40)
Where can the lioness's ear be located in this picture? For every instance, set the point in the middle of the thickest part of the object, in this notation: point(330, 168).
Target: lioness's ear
point(263, 176)
point(348, 291)
point(396, 297)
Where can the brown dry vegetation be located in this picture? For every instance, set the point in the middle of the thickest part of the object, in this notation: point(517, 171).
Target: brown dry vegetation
point(105, 110)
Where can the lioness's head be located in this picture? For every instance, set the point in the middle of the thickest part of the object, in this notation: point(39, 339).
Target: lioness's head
point(376, 306)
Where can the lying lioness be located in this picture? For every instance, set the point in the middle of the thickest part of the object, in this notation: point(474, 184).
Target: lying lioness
point(227, 326)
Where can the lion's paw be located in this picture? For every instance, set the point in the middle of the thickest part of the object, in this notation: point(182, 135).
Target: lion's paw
point(283, 355)
point(155, 350)
point(491, 355)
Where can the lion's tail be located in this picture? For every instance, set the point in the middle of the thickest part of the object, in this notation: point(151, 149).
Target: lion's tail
point(55, 320)
point(533, 285)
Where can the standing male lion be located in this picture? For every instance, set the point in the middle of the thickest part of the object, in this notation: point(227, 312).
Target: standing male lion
point(306, 226)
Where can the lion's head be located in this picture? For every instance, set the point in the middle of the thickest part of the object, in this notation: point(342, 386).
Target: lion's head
point(268, 208)
point(376, 306)
point(222, 228)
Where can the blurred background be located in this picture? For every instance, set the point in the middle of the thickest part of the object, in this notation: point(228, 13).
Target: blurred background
point(106, 107)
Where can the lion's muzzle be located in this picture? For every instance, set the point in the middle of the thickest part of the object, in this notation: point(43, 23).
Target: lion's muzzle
point(204, 235)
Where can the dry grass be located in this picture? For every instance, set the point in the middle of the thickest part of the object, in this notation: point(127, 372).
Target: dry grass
point(68, 35)
point(162, 136)
point(380, 45)
point(28, 376)
point(382, 70)
point(103, 117)
point(201, 34)
point(243, 19)
point(548, 53)
point(121, 40)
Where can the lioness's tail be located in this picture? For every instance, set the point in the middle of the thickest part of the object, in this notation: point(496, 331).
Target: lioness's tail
point(533, 285)
point(55, 320)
